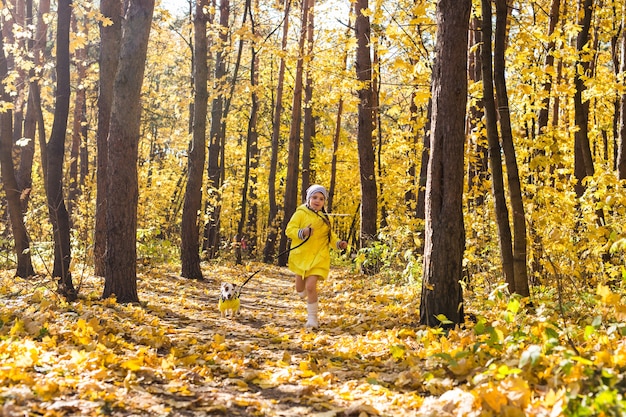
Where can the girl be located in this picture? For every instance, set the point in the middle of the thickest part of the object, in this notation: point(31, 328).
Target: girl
point(311, 238)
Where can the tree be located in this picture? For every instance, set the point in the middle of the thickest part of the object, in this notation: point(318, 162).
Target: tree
point(495, 159)
point(293, 161)
point(272, 218)
point(216, 136)
point(122, 184)
point(110, 37)
point(520, 272)
point(7, 173)
point(442, 294)
point(621, 157)
point(57, 210)
point(369, 203)
point(190, 228)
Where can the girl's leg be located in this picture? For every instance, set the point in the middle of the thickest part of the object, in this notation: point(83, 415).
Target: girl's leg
point(311, 307)
point(300, 288)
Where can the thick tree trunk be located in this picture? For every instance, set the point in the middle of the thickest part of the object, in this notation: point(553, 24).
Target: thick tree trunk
point(273, 221)
point(520, 271)
point(9, 182)
point(110, 37)
point(497, 179)
point(442, 294)
point(56, 148)
point(190, 228)
point(291, 185)
point(122, 184)
point(369, 198)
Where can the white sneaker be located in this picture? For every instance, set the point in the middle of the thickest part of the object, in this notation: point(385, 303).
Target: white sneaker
point(302, 294)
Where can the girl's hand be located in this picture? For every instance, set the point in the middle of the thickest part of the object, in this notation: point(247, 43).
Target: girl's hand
point(342, 244)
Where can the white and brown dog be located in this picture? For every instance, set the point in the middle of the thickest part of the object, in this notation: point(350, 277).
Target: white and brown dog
point(229, 300)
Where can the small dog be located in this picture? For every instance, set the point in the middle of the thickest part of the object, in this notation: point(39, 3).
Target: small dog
point(229, 300)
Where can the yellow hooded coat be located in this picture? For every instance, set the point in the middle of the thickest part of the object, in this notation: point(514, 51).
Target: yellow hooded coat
point(312, 257)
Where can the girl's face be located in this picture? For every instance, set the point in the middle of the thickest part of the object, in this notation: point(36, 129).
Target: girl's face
point(316, 202)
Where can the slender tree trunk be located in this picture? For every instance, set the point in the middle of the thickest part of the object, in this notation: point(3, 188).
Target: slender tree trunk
point(497, 180)
point(369, 198)
point(308, 131)
point(583, 161)
point(478, 166)
point(33, 109)
point(190, 228)
point(442, 295)
point(337, 134)
point(273, 221)
point(520, 271)
point(621, 154)
point(420, 210)
point(9, 182)
point(214, 169)
point(110, 37)
point(243, 235)
point(122, 185)
point(291, 185)
point(56, 148)
point(79, 120)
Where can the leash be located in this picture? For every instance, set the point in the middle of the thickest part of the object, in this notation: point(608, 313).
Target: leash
point(277, 256)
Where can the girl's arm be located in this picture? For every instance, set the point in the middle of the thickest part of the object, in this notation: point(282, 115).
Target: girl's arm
point(294, 225)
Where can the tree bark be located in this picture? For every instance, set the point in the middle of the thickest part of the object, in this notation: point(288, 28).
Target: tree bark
point(291, 185)
point(308, 130)
point(495, 161)
point(442, 294)
point(123, 140)
point(621, 154)
point(9, 182)
point(520, 271)
point(110, 37)
point(57, 210)
point(190, 228)
point(214, 170)
point(583, 161)
point(369, 203)
point(33, 109)
point(272, 219)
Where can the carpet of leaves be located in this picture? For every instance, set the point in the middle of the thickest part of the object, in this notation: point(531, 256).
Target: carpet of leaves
point(174, 355)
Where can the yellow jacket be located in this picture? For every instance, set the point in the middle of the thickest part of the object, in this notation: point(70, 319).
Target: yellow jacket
point(312, 257)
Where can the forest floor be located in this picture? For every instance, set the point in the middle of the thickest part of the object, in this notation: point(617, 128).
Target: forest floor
point(174, 355)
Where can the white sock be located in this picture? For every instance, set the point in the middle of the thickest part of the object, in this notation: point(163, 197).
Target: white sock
point(311, 309)
point(302, 293)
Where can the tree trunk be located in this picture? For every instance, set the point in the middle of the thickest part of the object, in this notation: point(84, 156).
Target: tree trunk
point(491, 126)
point(190, 228)
point(212, 231)
point(520, 271)
point(79, 120)
point(272, 219)
point(291, 185)
point(122, 182)
point(583, 161)
point(110, 37)
point(244, 233)
point(420, 209)
point(308, 130)
point(369, 202)
point(478, 165)
point(442, 294)
point(33, 109)
point(9, 182)
point(337, 134)
point(59, 217)
point(621, 154)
